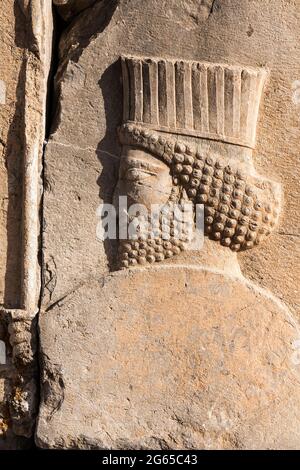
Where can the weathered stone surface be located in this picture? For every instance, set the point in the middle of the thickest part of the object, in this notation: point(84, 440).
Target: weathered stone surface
point(80, 208)
point(26, 44)
point(25, 51)
point(11, 113)
point(90, 109)
point(163, 102)
point(180, 355)
point(69, 8)
point(198, 359)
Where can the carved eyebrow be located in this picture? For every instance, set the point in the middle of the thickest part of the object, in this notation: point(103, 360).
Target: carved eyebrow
point(144, 172)
point(143, 165)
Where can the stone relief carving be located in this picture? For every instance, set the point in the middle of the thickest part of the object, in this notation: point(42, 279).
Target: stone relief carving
point(188, 135)
point(70, 8)
point(28, 25)
point(21, 366)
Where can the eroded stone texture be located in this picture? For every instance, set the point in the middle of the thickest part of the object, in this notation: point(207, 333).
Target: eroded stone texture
point(11, 113)
point(175, 356)
point(184, 363)
point(90, 109)
point(26, 44)
point(25, 51)
point(18, 380)
point(69, 8)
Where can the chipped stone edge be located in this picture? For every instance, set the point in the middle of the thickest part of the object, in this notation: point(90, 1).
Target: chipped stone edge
point(22, 328)
point(53, 371)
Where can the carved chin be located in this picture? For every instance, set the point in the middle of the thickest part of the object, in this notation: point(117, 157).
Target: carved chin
point(156, 241)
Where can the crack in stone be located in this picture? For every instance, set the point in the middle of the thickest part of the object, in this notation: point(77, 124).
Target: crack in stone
point(212, 8)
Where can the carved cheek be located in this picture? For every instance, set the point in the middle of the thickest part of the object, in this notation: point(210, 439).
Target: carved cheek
point(147, 189)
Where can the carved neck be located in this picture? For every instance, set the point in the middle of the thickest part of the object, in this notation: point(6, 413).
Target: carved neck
point(212, 256)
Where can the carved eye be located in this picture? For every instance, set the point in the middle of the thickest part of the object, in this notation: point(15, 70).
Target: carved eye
point(134, 174)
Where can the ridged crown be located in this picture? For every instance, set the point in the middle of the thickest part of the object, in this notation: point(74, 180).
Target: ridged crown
point(211, 101)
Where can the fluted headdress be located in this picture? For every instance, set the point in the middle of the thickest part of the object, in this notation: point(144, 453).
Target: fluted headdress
point(212, 101)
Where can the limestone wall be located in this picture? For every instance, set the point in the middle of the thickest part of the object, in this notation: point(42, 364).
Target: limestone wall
point(199, 101)
point(25, 51)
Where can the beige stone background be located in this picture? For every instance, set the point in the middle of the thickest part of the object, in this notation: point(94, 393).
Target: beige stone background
point(184, 363)
point(81, 158)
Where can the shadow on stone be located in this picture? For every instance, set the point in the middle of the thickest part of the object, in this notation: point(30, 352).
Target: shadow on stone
point(109, 149)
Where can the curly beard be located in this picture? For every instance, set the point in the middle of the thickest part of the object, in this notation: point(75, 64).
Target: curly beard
point(160, 235)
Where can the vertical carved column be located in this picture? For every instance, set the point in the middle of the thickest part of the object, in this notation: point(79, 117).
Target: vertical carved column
point(179, 349)
point(19, 373)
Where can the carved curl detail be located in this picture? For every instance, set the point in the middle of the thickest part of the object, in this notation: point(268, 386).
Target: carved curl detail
point(240, 210)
